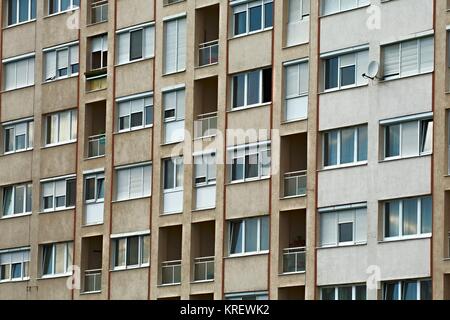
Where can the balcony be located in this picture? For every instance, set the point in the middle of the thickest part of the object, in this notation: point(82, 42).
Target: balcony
point(208, 53)
point(207, 35)
point(93, 281)
point(205, 125)
point(171, 272)
point(294, 260)
point(203, 269)
point(96, 146)
point(295, 184)
point(99, 11)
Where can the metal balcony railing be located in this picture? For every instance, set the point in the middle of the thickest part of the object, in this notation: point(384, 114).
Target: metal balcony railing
point(294, 260)
point(92, 281)
point(295, 184)
point(203, 269)
point(99, 11)
point(205, 125)
point(96, 145)
point(208, 53)
point(171, 272)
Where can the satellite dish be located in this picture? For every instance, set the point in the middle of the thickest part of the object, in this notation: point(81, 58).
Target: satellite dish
point(372, 70)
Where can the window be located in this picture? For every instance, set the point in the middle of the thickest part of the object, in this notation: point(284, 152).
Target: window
point(334, 6)
point(56, 6)
point(205, 170)
point(14, 265)
point(175, 45)
point(56, 259)
point(135, 44)
point(249, 235)
point(346, 70)
point(94, 188)
point(18, 72)
point(21, 11)
point(298, 13)
point(248, 296)
point(131, 252)
point(296, 86)
point(61, 62)
point(61, 127)
point(134, 182)
point(99, 52)
point(252, 16)
point(18, 136)
point(343, 225)
point(407, 138)
point(345, 146)
point(135, 112)
point(407, 218)
point(407, 290)
point(408, 58)
point(250, 162)
point(352, 292)
point(174, 104)
point(58, 194)
point(17, 199)
point(173, 174)
point(252, 88)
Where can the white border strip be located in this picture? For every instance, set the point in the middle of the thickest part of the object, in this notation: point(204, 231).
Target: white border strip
point(411, 117)
point(344, 51)
point(175, 16)
point(343, 207)
point(134, 165)
point(135, 96)
point(9, 123)
point(129, 234)
point(174, 87)
point(18, 58)
point(59, 178)
point(69, 44)
point(296, 61)
point(139, 26)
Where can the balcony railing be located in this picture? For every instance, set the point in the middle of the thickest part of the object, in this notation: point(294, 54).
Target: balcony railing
point(92, 281)
point(171, 272)
point(294, 260)
point(208, 53)
point(99, 11)
point(96, 145)
point(205, 125)
point(295, 184)
point(203, 269)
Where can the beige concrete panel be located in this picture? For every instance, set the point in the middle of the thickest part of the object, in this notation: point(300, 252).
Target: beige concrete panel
point(130, 216)
point(133, 147)
point(247, 199)
point(17, 168)
point(254, 279)
point(136, 77)
point(55, 29)
point(59, 95)
point(129, 284)
point(13, 290)
point(23, 38)
point(15, 233)
point(134, 12)
point(56, 226)
point(53, 289)
point(58, 160)
point(204, 3)
point(168, 291)
point(292, 203)
point(17, 104)
point(207, 71)
point(202, 287)
point(249, 122)
point(291, 280)
point(243, 56)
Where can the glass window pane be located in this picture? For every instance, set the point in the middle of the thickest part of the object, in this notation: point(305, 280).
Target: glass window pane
point(251, 166)
point(426, 136)
point(29, 198)
point(255, 18)
point(409, 290)
point(345, 293)
point(119, 254)
point(60, 263)
point(391, 219)
point(23, 10)
point(90, 189)
point(348, 145)
point(7, 201)
point(19, 198)
point(331, 73)
point(16, 271)
point(132, 251)
point(360, 293)
point(426, 215)
point(169, 174)
point(9, 139)
point(64, 126)
point(348, 75)
point(268, 15)
point(330, 148)
point(264, 232)
point(179, 173)
point(238, 90)
point(251, 235)
point(253, 87)
point(240, 23)
point(47, 262)
point(12, 12)
point(237, 169)
point(392, 147)
point(145, 249)
point(410, 139)
point(71, 186)
point(136, 44)
point(362, 143)
point(236, 237)
point(346, 232)
point(391, 291)
point(425, 290)
point(409, 217)
point(328, 293)
point(100, 188)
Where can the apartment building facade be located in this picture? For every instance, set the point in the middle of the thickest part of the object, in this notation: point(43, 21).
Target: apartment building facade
point(156, 149)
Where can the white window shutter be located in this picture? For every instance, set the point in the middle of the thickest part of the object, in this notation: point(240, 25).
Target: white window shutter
point(30, 71)
point(170, 46)
point(410, 143)
point(50, 65)
point(362, 63)
point(124, 47)
point(409, 63)
point(10, 70)
point(73, 55)
point(136, 182)
point(123, 181)
point(330, 6)
point(361, 225)
point(147, 180)
point(47, 189)
point(391, 63)
point(426, 54)
point(304, 78)
point(63, 58)
point(292, 80)
point(149, 40)
point(124, 108)
point(22, 70)
point(137, 105)
point(60, 188)
point(295, 10)
point(181, 97)
point(328, 229)
point(181, 54)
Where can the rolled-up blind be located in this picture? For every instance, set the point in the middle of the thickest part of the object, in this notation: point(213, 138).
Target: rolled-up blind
point(50, 65)
point(391, 63)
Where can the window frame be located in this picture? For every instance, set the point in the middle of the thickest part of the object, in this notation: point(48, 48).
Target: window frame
point(17, 18)
point(358, 5)
point(69, 67)
point(96, 177)
point(25, 276)
point(140, 263)
point(71, 7)
point(28, 188)
point(239, 7)
point(73, 123)
point(176, 162)
point(30, 59)
point(142, 168)
point(246, 95)
point(210, 180)
point(243, 223)
point(336, 291)
point(400, 235)
point(29, 136)
point(400, 284)
point(121, 104)
point(54, 207)
point(243, 152)
point(68, 247)
point(103, 64)
point(143, 28)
